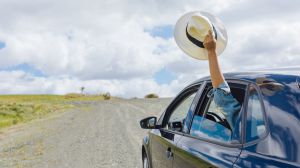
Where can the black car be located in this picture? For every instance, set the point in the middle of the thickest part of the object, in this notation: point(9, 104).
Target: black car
point(191, 132)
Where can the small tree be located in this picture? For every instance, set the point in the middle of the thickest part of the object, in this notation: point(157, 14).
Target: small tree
point(82, 89)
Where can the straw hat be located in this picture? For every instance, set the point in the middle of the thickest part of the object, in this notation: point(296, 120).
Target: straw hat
point(190, 32)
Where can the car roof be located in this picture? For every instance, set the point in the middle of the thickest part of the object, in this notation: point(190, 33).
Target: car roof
point(281, 75)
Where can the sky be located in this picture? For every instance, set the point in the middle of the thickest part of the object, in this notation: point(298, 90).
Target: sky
point(126, 47)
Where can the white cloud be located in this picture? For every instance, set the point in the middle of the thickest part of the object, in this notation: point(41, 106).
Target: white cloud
point(103, 46)
point(268, 44)
point(23, 83)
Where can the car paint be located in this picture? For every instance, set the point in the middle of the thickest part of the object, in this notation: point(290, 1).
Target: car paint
point(193, 153)
point(162, 141)
point(279, 148)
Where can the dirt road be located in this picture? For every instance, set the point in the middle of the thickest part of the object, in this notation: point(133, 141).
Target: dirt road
point(106, 134)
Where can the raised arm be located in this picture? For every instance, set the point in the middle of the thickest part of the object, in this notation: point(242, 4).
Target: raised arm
point(216, 75)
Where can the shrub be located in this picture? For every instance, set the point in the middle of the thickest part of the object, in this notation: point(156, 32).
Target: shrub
point(106, 96)
point(151, 95)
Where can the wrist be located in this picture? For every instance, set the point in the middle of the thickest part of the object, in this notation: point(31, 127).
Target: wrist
point(211, 52)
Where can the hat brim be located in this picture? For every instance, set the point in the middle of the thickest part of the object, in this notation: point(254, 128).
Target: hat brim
point(193, 50)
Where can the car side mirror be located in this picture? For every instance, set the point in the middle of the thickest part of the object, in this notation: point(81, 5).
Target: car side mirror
point(148, 123)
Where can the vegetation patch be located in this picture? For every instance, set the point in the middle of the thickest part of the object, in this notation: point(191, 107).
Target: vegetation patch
point(106, 96)
point(16, 109)
point(151, 95)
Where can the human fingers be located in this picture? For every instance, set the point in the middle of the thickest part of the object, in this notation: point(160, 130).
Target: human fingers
point(206, 38)
point(210, 33)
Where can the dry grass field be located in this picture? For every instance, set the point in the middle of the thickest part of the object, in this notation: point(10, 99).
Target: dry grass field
point(16, 109)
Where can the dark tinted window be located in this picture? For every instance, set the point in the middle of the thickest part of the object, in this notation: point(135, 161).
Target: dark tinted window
point(255, 127)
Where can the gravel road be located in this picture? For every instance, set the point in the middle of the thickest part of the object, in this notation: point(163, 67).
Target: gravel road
point(105, 134)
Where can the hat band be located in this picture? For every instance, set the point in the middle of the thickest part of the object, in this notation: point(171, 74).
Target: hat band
point(197, 42)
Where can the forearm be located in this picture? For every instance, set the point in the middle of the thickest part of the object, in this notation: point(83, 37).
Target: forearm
point(216, 75)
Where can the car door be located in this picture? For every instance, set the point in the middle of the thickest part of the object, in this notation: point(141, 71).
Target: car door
point(163, 140)
point(210, 141)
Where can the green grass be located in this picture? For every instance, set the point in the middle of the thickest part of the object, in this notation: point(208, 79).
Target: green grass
point(16, 109)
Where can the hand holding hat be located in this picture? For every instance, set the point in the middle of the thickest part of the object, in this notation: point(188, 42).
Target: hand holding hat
point(191, 30)
point(210, 42)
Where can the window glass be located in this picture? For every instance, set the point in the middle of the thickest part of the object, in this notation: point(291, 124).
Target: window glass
point(211, 123)
point(255, 127)
point(177, 118)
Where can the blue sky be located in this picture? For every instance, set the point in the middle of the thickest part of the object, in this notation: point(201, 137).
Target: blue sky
point(25, 68)
point(2, 45)
point(165, 31)
point(163, 76)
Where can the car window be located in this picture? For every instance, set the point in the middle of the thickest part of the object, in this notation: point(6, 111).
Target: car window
point(211, 123)
point(178, 115)
point(255, 127)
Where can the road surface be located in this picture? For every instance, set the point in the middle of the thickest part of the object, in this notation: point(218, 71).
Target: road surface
point(104, 135)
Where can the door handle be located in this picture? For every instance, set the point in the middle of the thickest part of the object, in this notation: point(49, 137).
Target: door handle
point(169, 153)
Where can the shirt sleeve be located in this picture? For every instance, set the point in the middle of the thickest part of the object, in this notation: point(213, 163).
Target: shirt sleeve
point(224, 100)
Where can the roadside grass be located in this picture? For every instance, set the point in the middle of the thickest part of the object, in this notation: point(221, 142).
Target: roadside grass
point(16, 109)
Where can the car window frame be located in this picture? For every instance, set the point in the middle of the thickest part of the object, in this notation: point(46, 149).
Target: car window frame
point(243, 109)
point(177, 100)
point(260, 97)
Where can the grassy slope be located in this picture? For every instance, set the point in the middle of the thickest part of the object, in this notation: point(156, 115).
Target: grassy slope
point(16, 109)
